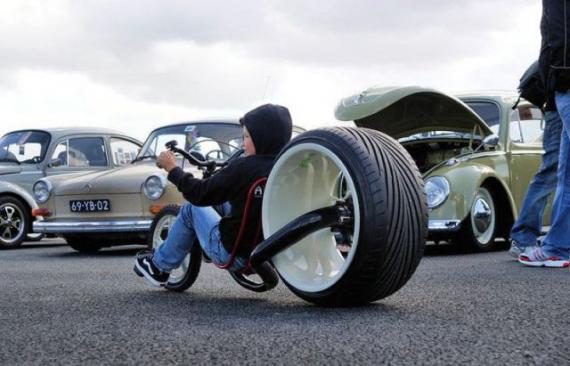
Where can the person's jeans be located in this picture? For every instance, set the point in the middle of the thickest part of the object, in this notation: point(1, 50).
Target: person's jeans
point(528, 226)
point(557, 241)
point(193, 223)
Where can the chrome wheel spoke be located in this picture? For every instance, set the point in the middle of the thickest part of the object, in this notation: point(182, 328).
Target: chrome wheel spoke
point(7, 233)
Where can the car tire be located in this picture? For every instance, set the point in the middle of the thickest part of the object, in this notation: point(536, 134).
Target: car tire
point(478, 230)
point(382, 182)
point(83, 244)
point(184, 276)
point(15, 222)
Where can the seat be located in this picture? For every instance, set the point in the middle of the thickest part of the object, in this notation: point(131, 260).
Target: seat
point(254, 195)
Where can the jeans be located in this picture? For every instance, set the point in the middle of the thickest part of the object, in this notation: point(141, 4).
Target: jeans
point(557, 241)
point(193, 223)
point(527, 228)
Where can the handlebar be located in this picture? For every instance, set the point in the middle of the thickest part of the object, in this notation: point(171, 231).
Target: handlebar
point(209, 165)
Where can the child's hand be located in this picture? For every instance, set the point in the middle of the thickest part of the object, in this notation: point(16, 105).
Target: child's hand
point(166, 160)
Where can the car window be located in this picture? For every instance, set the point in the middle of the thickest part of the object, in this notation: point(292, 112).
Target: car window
point(526, 125)
point(123, 151)
point(80, 152)
point(25, 147)
point(489, 112)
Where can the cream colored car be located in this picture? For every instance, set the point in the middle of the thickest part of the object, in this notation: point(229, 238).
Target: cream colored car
point(117, 206)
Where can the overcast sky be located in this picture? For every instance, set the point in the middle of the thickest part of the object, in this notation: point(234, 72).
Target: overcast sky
point(139, 64)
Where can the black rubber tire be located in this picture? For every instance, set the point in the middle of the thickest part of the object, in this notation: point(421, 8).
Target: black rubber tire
point(26, 217)
point(393, 213)
point(83, 244)
point(188, 279)
point(466, 237)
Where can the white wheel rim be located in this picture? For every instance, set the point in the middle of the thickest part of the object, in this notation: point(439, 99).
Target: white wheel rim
point(11, 223)
point(306, 177)
point(163, 226)
point(483, 205)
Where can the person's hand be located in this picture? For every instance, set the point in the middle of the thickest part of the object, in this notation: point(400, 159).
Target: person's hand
point(166, 160)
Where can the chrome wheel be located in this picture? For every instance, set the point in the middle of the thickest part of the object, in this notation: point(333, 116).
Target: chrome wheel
point(12, 223)
point(159, 235)
point(483, 217)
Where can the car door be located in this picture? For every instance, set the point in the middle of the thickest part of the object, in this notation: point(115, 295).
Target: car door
point(525, 151)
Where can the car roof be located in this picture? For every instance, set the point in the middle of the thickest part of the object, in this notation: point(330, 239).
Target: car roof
point(57, 132)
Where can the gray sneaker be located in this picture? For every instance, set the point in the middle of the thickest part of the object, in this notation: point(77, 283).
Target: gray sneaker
point(517, 249)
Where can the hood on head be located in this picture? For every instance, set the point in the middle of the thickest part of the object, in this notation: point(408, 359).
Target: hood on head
point(404, 111)
point(270, 128)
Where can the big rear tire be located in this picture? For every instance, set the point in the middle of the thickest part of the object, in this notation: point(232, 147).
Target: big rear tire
point(376, 178)
point(184, 276)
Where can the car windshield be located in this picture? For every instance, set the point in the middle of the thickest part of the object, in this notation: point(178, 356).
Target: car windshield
point(489, 112)
point(24, 147)
point(206, 141)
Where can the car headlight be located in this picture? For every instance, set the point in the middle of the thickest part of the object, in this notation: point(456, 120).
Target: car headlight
point(437, 190)
point(154, 187)
point(42, 190)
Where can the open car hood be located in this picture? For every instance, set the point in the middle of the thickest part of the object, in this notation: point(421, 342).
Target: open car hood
point(404, 111)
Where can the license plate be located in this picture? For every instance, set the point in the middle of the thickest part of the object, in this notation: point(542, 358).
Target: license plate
point(89, 205)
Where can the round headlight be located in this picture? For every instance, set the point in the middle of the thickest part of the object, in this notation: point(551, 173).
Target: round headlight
point(437, 190)
point(154, 187)
point(42, 190)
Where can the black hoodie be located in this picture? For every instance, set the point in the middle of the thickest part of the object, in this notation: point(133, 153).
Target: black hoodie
point(270, 129)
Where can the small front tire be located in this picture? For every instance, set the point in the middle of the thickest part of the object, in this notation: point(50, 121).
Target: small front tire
point(184, 276)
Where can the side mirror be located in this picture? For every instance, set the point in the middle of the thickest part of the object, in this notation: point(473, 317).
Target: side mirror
point(491, 141)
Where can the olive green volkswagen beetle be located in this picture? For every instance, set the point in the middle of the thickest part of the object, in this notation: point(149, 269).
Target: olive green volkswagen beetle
point(476, 154)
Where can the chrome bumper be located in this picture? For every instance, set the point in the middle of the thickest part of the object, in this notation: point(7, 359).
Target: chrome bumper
point(444, 225)
point(91, 226)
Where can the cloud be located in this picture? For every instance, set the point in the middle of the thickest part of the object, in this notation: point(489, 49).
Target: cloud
point(223, 57)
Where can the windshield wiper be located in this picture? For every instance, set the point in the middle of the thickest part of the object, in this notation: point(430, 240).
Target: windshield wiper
point(10, 160)
point(139, 158)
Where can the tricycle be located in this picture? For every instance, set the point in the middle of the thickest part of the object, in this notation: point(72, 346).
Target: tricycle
point(344, 220)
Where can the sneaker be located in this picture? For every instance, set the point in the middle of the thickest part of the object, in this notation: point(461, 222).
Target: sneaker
point(517, 249)
point(144, 267)
point(538, 258)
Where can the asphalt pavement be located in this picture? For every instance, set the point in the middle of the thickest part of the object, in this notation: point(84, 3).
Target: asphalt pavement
point(59, 307)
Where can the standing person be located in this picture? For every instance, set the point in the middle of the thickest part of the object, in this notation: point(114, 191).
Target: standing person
point(554, 62)
point(266, 130)
point(528, 227)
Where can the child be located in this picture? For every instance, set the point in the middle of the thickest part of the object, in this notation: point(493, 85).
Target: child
point(266, 130)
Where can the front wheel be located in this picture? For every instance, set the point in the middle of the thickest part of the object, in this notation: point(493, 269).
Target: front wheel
point(378, 247)
point(185, 275)
point(15, 222)
point(479, 228)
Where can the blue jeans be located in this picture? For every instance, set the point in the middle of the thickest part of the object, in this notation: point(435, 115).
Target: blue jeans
point(193, 223)
point(557, 241)
point(527, 228)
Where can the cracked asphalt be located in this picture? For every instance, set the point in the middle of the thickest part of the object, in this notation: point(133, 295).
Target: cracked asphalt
point(59, 307)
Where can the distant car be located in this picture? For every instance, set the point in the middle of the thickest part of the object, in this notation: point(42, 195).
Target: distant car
point(116, 207)
point(476, 153)
point(27, 155)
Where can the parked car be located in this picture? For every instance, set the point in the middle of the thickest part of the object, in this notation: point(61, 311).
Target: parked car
point(116, 207)
point(476, 154)
point(27, 155)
